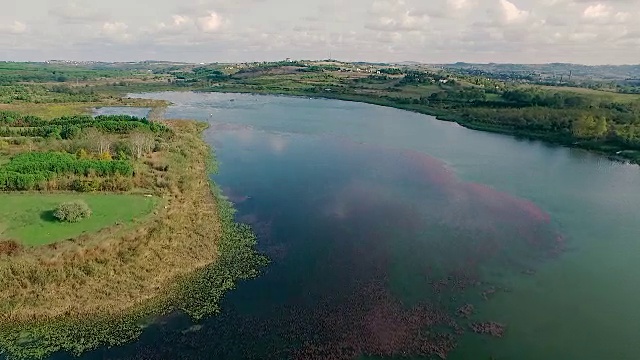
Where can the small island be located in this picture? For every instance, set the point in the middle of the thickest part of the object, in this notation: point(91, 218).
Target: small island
point(108, 223)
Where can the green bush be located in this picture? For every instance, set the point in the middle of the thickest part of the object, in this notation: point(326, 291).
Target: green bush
point(116, 183)
point(55, 163)
point(86, 185)
point(69, 127)
point(72, 211)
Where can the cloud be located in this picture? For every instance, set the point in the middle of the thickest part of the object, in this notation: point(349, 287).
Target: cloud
point(458, 5)
point(179, 20)
point(512, 13)
point(603, 31)
point(402, 22)
point(622, 16)
point(597, 11)
point(605, 14)
point(396, 15)
point(116, 31)
point(16, 28)
point(582, 37)
point(71, 13)
point(210, 23)
point(114, 28)
point(178, 24)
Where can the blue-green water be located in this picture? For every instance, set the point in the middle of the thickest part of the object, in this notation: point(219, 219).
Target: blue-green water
point(381, 223)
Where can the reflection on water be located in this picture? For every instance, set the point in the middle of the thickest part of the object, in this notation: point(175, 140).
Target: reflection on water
point(374, 251)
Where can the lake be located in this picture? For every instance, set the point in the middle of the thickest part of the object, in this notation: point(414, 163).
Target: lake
point(392, 233)
point(118, 110)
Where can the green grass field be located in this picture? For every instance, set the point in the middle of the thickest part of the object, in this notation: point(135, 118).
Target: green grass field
point(28, 218)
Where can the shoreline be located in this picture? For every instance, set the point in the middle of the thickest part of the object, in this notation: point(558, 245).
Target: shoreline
point(611, 152)
point(203, 259)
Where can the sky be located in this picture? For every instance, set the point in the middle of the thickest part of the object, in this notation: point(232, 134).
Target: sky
point(429, 31)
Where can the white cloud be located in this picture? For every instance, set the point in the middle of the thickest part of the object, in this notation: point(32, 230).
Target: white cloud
point(114, 28)
point(14, 28)
point(403, 22)
point(603, 31)
point(17, 28)
point(210, 23)
point(396, 15)
point(597, 11)
point(178, 24)
point(179, 20)
point(459, 4)
point(512, 13)
point(605, 14)
point(622, 16)
point(116, 31)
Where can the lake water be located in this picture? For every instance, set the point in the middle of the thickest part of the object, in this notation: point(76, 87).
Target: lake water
point(384, 226)
point(127, 110)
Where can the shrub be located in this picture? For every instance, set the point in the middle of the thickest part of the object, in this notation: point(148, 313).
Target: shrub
point(157, 165)
point(86, 185)
point(116, 183)
point(105, 156)
point(72, 211)
point(82, 154)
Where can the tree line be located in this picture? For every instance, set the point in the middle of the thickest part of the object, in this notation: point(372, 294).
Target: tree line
point(28, 170)
point(70, 126)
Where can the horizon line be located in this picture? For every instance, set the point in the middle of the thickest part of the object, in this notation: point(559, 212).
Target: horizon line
point(404, 62)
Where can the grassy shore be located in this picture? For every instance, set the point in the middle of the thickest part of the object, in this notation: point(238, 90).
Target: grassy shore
point(82, 294)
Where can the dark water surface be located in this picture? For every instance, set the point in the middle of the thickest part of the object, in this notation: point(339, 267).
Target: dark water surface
point(384, 226)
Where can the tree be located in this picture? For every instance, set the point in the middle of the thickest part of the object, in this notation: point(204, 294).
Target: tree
point(589, 126)
point(97, 140)
point(141, 142)
point(600, 128)
point(70, 132)
point(584, 127)
point(104, 143)
point(72, 211)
